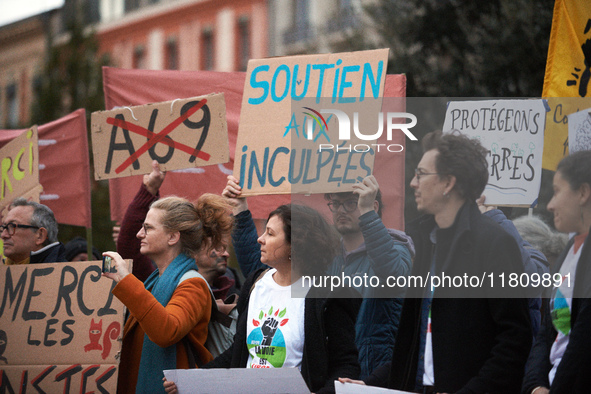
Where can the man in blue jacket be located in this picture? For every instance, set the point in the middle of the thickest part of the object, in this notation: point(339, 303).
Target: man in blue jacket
point(368, 247)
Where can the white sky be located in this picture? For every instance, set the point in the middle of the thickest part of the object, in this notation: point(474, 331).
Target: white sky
point(15, 10)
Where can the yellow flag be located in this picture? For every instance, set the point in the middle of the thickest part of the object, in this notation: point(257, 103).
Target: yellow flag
point(568, 73)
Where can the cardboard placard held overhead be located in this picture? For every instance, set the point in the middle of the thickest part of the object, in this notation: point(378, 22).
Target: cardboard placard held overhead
point(60, 327)
point(178, 134)
point(512, 131)
point(288, 110)
point(556, 138)
point(19, 168)
point(579, 131)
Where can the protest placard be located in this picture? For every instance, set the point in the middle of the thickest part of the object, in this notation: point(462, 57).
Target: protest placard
point(352, 388)
point(237, 380)
point(579, 131)
point(178, 134)
point(292, 105)
point(20, 168)
point(513, 133)
point(60, 327)
point(556, 141)
point(61, 193)
point(146, 86)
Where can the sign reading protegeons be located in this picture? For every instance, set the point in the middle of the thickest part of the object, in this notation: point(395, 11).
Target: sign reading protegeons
point(19, 168)
point(512, 131)
point(178, 134)
point(281, 125)
point(60, 328)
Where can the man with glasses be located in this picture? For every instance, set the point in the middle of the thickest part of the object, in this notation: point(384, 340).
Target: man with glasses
point(458, 338)
point(29, 233)
point(369, 248)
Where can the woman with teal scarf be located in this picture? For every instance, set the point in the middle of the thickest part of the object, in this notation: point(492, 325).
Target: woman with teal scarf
point(174, 302)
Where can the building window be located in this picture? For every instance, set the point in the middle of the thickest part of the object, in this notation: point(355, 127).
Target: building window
point(207, 53)
point(131, 5)
point(343, 18)
point(299, 31)
point(139, 57)
point(172, 54)
point(93, 13)
point(243, 40)
point(12, 107)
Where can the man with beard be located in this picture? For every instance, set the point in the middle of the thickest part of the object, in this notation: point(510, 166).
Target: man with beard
point(213, 266)
point(368, 247)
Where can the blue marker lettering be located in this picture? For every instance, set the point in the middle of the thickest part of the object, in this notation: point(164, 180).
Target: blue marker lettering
point(274, 96)
point(292, 158)
point(374, 80)
point(259, 84)
point(254, 166)
point(321, 67)
point(336, 82)
point(272, 182)
point(294, 82)
point(345, 84)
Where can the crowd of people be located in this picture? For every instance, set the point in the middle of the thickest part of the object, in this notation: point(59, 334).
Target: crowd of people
point(188, 309)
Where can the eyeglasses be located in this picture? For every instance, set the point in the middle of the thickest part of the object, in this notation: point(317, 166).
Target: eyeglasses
point(419, 173)
point(11, 227)
point(348, 206)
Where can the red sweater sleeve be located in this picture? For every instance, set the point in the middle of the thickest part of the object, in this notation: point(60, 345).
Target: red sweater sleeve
point(128, 246)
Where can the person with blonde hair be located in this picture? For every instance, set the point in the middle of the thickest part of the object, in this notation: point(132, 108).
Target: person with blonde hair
point(174, 302)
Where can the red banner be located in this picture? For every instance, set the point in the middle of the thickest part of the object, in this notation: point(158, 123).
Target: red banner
point(64, 168)
point(137, 87)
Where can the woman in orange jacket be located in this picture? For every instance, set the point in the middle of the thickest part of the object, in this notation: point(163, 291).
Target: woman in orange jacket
point(174, 302)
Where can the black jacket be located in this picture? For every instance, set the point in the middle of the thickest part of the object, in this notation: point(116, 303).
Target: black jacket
point(573, 374)
point(55, 254)
point(329, 345)
point(480, 343)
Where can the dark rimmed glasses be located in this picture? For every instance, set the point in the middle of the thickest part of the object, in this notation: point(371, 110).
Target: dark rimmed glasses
point(348, 206)
point(419, 173)
point(11, 227)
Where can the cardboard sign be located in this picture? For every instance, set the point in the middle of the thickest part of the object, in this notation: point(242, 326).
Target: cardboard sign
point(60, 327)
point(61, 193)
point(178, 134)
point(283, 121)
point(579, 131)
point(556, 140)
point(513, 133)
point(238, 380)
point(19, 168)
point(137, 87)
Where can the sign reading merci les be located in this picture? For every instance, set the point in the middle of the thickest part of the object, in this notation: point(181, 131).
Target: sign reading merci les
point(178, 134)
point(60, 329)
point(284, 121)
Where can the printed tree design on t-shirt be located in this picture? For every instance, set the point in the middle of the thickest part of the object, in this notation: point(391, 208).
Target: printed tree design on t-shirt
point(267, 340)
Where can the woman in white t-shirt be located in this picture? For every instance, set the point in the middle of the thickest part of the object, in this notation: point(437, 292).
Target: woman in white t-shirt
point(283, 320)
point(560, 361)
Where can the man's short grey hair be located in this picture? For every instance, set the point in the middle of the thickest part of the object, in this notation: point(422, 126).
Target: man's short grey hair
point(42, 217)
point(535, 231)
